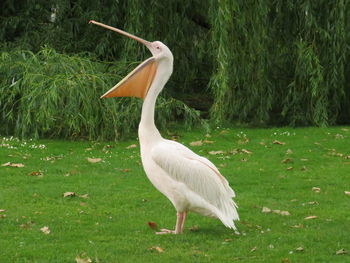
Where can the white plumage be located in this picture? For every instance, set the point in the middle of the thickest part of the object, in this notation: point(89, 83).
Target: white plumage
point(189, 181)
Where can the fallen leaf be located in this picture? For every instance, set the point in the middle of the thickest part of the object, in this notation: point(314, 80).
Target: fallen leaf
point(304, 160)
point(131, 146)
point(18, 165)
point(341, 252)
point(253, 249)
point(298, 226)
point(153, 225)
point(266, 210)
point(79, 259)
point(35, 173)
point(246, 151)
point(84, 196)
point(347, 193)
point(196, 143)
point(290, 168)
point(2, 210)
point(216, 152)
point(289, 151)
point(278, 142)
point(316, 189)
point(285, 260)
point(287, 160)
point(310, 217)
point(159, 249)
point(228, 239)
point(45, 230)
point(312, 203)
point(299, 249)
point(94, 160)
point(2, 216)
point(285, 213)
point(68, 194)
point(303, 168)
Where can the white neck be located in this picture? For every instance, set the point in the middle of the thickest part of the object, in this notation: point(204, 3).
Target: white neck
point(147, 127)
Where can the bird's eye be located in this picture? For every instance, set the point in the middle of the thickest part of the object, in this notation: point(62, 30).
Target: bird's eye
point(158, 47)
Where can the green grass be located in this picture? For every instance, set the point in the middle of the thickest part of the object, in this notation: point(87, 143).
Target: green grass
point(110, 225)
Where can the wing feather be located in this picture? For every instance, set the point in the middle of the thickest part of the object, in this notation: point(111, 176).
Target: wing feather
point(196, 172)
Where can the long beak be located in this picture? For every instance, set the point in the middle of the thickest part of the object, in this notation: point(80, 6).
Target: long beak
point(137, 82)
point(145, 42)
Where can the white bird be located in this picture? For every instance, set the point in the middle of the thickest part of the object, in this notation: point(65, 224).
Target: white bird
point(189, 181)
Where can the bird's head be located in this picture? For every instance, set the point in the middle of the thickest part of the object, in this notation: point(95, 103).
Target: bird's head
point(159, 50)
point(138, 82)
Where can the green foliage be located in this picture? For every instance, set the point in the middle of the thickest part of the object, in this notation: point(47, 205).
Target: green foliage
point(265, 62)
point(281, 62)
point(57, 95)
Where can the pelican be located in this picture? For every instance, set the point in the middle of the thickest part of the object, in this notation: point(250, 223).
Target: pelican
point(189, 181)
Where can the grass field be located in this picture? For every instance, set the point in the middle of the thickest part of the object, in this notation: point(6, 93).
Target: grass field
point(300, 178)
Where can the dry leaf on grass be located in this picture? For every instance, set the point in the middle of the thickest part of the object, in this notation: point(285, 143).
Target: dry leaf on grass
point(153, 225)
point(216, 152)
point(284, 213)
point(68, 194)
point(290, 168)
point(79, 259)
point(289, 151)
point(196, 143)
point(253, 249)
point(279, 212)
point(347, 193)
point(278, 142)
point(316, 189)
point(45, 230)
point(18, 165)
point(94, 160)
point(84, 196)
point(287, 160)
point(2, 210)
point(266, 210)
point(36, 173)
point(246, 151)
point(131, 146)
point(159, 249)
point(341, 252)
point(299, 249)
point(310, 217)
point(298, 226)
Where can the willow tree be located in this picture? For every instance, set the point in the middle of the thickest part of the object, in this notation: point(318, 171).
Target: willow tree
point(281, 62)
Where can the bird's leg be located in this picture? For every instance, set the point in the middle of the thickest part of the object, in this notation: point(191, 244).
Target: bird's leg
point(180, 221)
point(183, 221)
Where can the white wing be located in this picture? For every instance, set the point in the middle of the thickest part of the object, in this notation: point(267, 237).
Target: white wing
point(198, 174)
